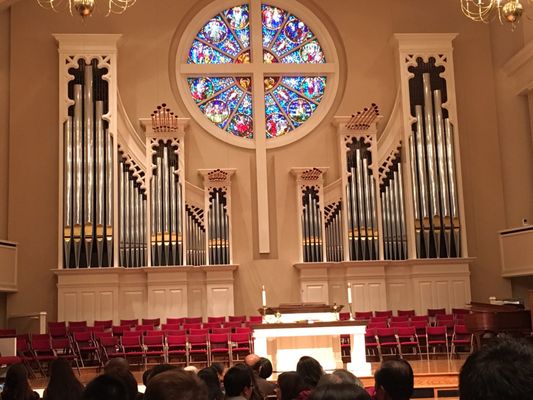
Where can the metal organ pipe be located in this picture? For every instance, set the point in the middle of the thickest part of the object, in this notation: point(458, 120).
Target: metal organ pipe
point(402, 211)
point(424, 199)
point(158, 204)
point(416, 192)
point(173, 215)
point(68, 191)
point(89, 161)
point(454, 209)
point(78, 174)
point(100, 183)
point(109, 197)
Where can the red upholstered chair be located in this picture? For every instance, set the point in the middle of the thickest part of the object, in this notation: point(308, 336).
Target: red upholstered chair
point(255, 319)
point(437, 339)
point(220, 320)
point(154, 348)
point(424, 318)
point(77, 328)
point(177, 349)
point(449, 324)
point(401, 318)
point(58, 331)
point(408, 340)
point(211, 325)
point(86, 347)
point(237, 318)
point(241, 346)
point(188, 327)
point(225, 331)
point(219, 348)
point(97, 328)
point(170, 327)
point(387, 341)
point(201, 331)
point(144, 328)
point(363, 314)
point(374, 325)
point(398, 324)
point(62, 348)
point(462, 339)
point(387, 313)
point(129, 322)
point(420, 328)
point(107, 324)
point(460, 311)
point(119, 330)
point(110, 347)
point(371, 343)
point(379, 319)
point(42, 352)
point(26, 355)
point(232, 324)
point(405, 313)
point(151, 321)
point(244, 329)
point(133, 349)
point(193, 320)
point(198, 349)
point(59, 324)
point(155, 333)
point(175, 321)
point(432, 312)
point(72, 324)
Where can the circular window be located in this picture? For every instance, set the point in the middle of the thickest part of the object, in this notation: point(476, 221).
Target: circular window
point(257, 72)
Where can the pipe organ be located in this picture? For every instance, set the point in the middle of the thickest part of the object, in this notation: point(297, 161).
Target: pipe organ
point(88, 168)
point(132, 213)
point(310, 197)
point(334, 242)
point(392, 208)
point(432, 154)
point(195, 235)
point(217, 189)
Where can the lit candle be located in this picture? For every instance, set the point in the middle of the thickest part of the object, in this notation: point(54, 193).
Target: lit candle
point(349, 293)
point(263, 296)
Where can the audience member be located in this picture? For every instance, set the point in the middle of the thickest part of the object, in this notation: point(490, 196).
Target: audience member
point(251, 359)
point(120, 369)
point(157, 370)
point(502, 370)
point(339, 391)
point(394, 380)
point(263, 370)
point(63, 384)
point(105, 387)
point(175, 384)
point(16, 385)
point(290, 385)
point(210, 378)
point(347, 377)
point(238, 383)
point(310, 370)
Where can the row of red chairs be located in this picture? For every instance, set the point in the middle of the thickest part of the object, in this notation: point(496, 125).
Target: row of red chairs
point(397, 340)
point(431, 312)
point(107, 324)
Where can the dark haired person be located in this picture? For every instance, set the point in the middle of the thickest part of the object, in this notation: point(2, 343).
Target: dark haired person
point(238, 383)
point(16, 385)
point(502, 370)
point(175, 384)
point(290, 385)
point(262, 371)
point(210, 377)
point(339, 391)
point(311, 371)
point(105, 387)
point(394, 380)
point(120, 368)
point(63, 384)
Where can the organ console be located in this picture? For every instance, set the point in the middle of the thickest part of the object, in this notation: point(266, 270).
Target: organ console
point(490, 319)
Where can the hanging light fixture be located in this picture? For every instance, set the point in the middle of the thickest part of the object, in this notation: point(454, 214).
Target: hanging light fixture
point(85, 8)
point(508, 11)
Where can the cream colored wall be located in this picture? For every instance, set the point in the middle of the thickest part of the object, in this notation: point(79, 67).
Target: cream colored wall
point(4, 117)
point(144, 83)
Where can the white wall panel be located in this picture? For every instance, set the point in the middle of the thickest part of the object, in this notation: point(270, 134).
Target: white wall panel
point(177, 302)
point(87, 306)
point(376, 296)
point(442, 294)
point(107, 306)
point(459, 294)
point(70, 306)
point(398, 296)
point(317, 293)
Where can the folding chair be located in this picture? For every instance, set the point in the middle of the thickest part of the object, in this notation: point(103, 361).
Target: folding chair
point(420, 328)
point(232, 324)
point(195, 325)
point(77, 324)
point(144, 328)
point(170, 327)
point(193, 320)
point(241, 346)
point(211, 325)
point(129, 322)
point(155, 322)
point(110, 347)
point(107, 324)
point(42, 352)
point(360, 315)
point(177, 348)
point(58, 324)
point(26, 355)
point(220, 320)
point(405, 313)
point(255, 319)
point(225, 331)
point(133, 349)
point(175, 321)
point(379, 319)
point(387, 313)
point(436, 338)
point(118, 330)
point(219, 348)
point(387, 341)
point(154, 347)
point(198, 349)
point(58, 331)
point(398, 324)
point(155, 333)
point(408, 339)
point(371, 343)
point(201, 331)
point(462, 338)
point(400, 318)
point(237, 318)
point(86, 347)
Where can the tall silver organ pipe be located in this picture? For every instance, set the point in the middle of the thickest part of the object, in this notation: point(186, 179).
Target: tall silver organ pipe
point(132, 203)
point(311, 226)
point(432, 166)
point(334, 242)
point(218, 223)
point(167, 213)
point(88, 160)
point(361, 203)
point(195, 231)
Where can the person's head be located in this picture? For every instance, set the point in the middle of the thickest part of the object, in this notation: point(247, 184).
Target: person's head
point(220, 370)
point(16, 385)
point(310, 370)
point(105, 387)
point(210, 378)
point(175, 385)
point(346, 376)
point(500, 370)
point(289, 385)
point(394, 380)
point(63, 384)
point(339, 391)
point(263, 368)
point(119, 368)
point(157, 370)
point(251, 359)
point(238, 381)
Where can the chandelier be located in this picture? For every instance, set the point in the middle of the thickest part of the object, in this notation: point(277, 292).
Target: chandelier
point(508, 11)
point(85, 8)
